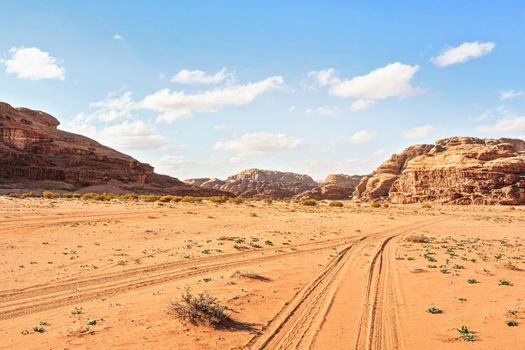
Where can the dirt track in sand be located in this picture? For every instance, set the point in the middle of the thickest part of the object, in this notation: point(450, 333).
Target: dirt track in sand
point(335, 278)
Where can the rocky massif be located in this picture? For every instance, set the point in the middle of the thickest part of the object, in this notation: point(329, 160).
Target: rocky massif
point(257, 183)
point(456, 170)
point(35, 155)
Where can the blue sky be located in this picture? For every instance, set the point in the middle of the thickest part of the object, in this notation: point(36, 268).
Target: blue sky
point(214, 87)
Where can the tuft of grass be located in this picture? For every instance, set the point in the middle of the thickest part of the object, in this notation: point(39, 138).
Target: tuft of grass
point(472, 281)
point(336, 204)
point(511, 323)
point(434, 310)
point(50, 195)
point(199, 309)
point(505, 283)
point(466, 334)
point(309, 202)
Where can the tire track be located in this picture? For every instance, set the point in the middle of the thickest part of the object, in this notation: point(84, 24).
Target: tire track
point(299, 322)
point(25, 301)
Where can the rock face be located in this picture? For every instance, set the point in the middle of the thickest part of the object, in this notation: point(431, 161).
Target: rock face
point(35, 155)
point(256, 183)
point(206, 182)
point(335, 187)
point(456, 170)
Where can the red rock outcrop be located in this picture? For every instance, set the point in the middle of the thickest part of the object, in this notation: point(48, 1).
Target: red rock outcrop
point(456, 170)
point(335, 187)
point(256, 183)
point(35, 154)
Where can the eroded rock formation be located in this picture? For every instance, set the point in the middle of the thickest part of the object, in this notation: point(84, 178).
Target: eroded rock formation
point(36, 155)
point(335, 187)
point(456, 170)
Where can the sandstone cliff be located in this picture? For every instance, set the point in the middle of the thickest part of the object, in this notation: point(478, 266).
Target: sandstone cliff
point(335, 186)
point(36, 155)
point(457, 170)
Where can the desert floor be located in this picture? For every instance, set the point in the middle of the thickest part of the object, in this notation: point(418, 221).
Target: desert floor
point(296, 277)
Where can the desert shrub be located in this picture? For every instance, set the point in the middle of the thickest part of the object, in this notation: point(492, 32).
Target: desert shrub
point(309, 202)
point(27, 195)
point(128, 197)
point(421, 238)
point(426, 206)
point(336, 204)
point(375, 204)
point(434, 310)
point(165, 199)
point(511, 323)
point(191, 199)
point(149, 198)
point(236, 200)
point(268, 200)
point(13, 195)
point(50, 195)
point(218, 199)
point(505, 283)
point(200, 309)
point(71, 195)
point(386, 205)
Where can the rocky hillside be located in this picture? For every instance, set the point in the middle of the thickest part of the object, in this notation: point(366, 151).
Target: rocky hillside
point(36, 155)
point(335, 186)
point(457, 170)
point(257, 183)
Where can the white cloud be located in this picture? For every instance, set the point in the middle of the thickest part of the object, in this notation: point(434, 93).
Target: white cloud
point(133, 135)
point(505, 125)
point(173, 162)
point(380, 152)
point(259, 143)
point(323, 110)
point(33, 64)
point(418, 132)
point(361, 104)
point(113, 108)
point(359, 137)
point(118, 37)
point(463, 53)
point(175, 105)
point(200, 77)
point(508, 94)
point(389, 81)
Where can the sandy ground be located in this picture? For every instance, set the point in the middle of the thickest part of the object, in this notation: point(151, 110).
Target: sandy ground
point(331, 278)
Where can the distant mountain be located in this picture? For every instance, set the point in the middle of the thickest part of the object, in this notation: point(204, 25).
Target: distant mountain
point(35, 155)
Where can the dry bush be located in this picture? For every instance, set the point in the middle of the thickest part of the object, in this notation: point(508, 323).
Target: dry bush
point(149, 198)
point(71, 195)
point(309, 202)
point(27, 195)
point(200, 309)
point(375, 204)
point(50, 195)
point(336, 204)
point(421, 238)
point(236, 200)
point(426, 206)
point(250, 275)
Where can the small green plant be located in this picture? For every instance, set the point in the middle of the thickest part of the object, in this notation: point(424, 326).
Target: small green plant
point(434, 310)
point(511, 323)
point(472, 281)
point(39, 329)
point(504, 283)
point(466, 334)
point(91, 322)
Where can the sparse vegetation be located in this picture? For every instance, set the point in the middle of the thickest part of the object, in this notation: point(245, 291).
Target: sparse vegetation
point(200, 309)
point(309, 202)
point(434, 310)
point(336, 204)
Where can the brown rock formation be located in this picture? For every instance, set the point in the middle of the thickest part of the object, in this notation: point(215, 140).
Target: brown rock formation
point(335, 186)
point(457, 170)
point(258, 183)
point(35, 155)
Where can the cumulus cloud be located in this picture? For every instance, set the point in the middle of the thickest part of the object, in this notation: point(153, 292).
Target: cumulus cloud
point(133, 135)
point(508, 94)
point(173, 105)
point(259, 143)
point(323, 110)
point(418, 132)
point(200, 77)
point(389, 81)
point(118, 37)
point(463, 53)
point(113, 108)
point(359, 137)
point(504, 125)
point(33, 64)
point(361, 104)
